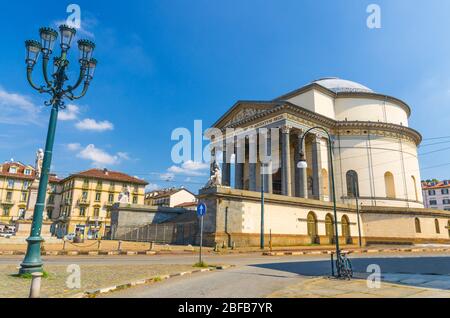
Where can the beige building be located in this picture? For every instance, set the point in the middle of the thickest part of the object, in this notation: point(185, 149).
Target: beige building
point(171, 198)
point(374, 158)
point(87, 198)
point(18, 192)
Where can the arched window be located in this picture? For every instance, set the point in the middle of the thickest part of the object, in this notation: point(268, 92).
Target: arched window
point(352, 184)
point(436, 225)
point(329, 228)
point(390, 185)
point(417, 224)
point(345, 227)
point(325, 182)
point(416, 193)
point(312, 227)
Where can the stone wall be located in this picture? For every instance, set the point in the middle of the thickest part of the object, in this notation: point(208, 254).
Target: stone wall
point(235, 216)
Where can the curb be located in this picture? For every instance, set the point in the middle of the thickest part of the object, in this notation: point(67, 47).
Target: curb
point(104, 290)
point(364, 251)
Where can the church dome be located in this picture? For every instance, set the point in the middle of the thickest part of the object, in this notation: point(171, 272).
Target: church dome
point(338, 85)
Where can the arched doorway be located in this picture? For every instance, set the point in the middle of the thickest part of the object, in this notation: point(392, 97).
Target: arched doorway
point(352, 184)
point(417, 225)
point(325, 183)
point(312, 228)
point(346, 230)
point(329, 228)
point(390, 185)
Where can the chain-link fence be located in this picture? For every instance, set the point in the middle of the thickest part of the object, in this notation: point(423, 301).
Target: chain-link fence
point(170, 233)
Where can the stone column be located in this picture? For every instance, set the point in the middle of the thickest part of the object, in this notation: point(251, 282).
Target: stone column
point(268, 180)
point(226, 166)
point(239, 164)
point(285, 161)
point(301, 182)
point(317, 188)
point(330, 162)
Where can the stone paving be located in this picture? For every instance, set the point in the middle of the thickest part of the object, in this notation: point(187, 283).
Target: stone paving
point(92, 276)
point(356, 288)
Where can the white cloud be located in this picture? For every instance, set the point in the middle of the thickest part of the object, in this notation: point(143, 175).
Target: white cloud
point(167, 176)
point(152, 187)
point(70, 113)
point(93, 125)
point(74, 146)
point(15, 106)
point(190, 168)
point(98, 157)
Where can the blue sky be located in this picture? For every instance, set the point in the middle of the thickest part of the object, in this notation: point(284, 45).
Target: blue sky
point(164, 64)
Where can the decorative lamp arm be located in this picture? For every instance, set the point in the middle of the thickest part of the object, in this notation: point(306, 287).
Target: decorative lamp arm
point(45, 60)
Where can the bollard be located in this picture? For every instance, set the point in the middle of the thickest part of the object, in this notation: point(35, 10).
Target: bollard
point(233, 246)
point(64, 245)
point(223, 245)
point(119, 248)
point(216, 247)
point(151, 246)
point(35, 289)
point(99, 244)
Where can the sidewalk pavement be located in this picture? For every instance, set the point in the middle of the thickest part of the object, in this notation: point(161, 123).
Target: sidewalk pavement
point(356, 288)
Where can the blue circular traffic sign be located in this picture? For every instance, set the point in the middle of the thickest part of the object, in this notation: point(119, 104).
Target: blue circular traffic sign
point(201, 209)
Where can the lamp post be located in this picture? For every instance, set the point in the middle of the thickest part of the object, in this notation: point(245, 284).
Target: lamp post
point(262, 209)
point(302, 164)
point(54, 86)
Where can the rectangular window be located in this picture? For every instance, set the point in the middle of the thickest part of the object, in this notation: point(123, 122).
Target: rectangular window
point(98, 196)
point(111, 198)
point(51, 199)
point(431, 192)
point(27, 172)
point(433, 202)
point(84, 195)
point(9, 196)
point(10, 184)
point(26, 184)
point(135, 199)
point(23, 197)
point(444, 191)
point(83, 211)
point(96, 212)
point(13, 170)
point(446, 201)
point(5, 211)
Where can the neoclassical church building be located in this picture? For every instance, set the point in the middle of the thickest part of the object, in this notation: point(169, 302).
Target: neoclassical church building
point(375, 164)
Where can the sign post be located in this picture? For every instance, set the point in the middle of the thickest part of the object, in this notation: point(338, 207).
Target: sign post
point(201, 212)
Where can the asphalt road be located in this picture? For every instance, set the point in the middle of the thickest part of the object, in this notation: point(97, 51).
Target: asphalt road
point(254, 275)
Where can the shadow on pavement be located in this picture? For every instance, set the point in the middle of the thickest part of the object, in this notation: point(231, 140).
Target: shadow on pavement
point(413, 265)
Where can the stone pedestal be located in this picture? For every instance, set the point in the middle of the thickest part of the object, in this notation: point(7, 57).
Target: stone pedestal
point(23, 229)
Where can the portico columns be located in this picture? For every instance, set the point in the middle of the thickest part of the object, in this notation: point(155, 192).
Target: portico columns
point(252, 160)
point(301, 182)
point(239, 163)
point(285, 162)
point(317, 189)
point(226, 165)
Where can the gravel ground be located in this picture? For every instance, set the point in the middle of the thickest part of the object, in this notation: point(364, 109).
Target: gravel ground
point(92, 276)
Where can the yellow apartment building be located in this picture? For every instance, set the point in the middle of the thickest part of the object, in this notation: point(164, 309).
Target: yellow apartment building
point(87, 198)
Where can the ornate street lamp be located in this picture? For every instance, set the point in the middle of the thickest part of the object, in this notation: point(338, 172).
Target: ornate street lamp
point(302, 164)
point(54, 86)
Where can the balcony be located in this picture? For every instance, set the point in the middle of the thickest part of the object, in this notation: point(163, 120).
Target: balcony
point(96, 219)
point(83, 201)
point(7, 202)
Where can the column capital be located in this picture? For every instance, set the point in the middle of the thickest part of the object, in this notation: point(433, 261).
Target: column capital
point(285, 129)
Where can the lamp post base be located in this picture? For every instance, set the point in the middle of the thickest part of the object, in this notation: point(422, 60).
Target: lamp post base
point(32, 262)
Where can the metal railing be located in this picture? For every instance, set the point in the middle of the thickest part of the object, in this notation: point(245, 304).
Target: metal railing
point(181, 234)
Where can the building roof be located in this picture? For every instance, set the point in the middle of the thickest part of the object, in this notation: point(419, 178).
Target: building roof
point(165, 193)
point(436, 185)
point(20, 174)
point(338, 85)
point(187, 205)
point(108, 175)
